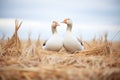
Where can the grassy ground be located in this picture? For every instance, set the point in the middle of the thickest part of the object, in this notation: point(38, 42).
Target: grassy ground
point(34, 63)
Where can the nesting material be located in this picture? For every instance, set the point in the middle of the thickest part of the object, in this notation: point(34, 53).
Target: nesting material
point(87, 65)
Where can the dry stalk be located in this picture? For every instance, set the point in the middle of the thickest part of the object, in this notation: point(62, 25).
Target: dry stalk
point(14, 42)
point(38, 43)
point(29, 42)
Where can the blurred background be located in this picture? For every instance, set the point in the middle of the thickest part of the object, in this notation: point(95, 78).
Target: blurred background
point(90, 17)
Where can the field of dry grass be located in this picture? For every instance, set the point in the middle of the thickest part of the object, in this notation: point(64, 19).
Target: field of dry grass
point(26, 60)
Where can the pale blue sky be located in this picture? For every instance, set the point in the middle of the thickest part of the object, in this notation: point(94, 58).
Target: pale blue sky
point(90, 17)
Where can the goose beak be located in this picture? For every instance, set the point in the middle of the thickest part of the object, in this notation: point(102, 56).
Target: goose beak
point(58, 24)
point(65, 21)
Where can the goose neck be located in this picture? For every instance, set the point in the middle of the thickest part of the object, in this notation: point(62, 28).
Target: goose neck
point(54, 30)
point(69, 27)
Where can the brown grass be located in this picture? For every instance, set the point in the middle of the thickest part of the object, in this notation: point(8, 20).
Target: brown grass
point(26, 60)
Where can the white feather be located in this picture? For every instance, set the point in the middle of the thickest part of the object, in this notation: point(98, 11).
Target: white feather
point(70, 42)
point(55, 43)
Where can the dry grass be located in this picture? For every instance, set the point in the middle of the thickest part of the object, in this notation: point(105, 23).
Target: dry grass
point(26, 60)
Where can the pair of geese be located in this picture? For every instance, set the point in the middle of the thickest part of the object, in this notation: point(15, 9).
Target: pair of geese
point(69, 42)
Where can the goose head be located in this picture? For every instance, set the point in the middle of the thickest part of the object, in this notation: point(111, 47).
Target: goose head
point(69, 23)
point(54, 25)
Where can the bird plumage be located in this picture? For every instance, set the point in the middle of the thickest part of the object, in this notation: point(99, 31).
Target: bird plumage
point(54, 43)
point(70, 42)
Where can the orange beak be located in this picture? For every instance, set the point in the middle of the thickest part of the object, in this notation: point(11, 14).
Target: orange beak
point(56, 24)
point(65, 21)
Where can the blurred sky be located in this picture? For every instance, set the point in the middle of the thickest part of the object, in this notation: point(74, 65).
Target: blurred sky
point(90, 17)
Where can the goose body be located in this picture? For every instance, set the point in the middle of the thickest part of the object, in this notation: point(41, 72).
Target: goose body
point(70, 42)
point(54, 43)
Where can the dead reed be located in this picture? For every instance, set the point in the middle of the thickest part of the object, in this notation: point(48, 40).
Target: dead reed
point(13, 45)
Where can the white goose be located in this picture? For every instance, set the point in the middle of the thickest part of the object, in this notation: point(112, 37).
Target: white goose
point(71, 43)
point(55, 43)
